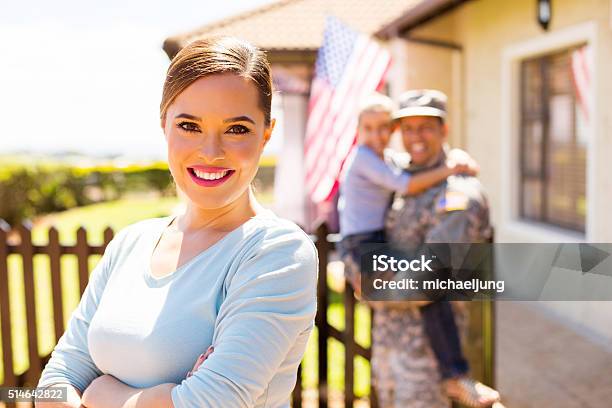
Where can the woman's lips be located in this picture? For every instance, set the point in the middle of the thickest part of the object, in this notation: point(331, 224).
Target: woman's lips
point(208, 176)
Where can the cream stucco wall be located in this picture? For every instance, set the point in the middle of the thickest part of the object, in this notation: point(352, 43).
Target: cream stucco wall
point(425, 66)
point(492, 32)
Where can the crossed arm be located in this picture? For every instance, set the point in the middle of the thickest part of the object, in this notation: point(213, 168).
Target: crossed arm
point(107, 391)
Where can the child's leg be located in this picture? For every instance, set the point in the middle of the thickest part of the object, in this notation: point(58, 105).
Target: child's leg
point(443, 335)
point(351, 252)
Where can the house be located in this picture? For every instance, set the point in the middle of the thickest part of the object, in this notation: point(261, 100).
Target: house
point(530, 102)
point(290, 31)
point(528, 91)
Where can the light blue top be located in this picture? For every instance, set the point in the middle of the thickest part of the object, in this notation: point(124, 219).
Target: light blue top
point(365, 191)
point(252, 295)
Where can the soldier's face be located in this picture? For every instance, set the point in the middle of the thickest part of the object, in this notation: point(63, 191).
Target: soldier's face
point(423, 138)
point(374, 130)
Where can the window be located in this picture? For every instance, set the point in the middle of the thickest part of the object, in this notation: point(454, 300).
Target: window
point(552, 150)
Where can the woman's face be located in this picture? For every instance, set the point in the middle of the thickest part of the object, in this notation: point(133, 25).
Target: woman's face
point(216, 133)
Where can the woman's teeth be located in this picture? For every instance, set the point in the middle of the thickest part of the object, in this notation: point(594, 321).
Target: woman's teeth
point(210, 176)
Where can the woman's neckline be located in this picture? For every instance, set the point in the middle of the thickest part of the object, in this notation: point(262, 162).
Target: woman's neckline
point(156, 281)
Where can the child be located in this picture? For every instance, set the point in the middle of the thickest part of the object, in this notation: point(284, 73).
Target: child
point(365, 193)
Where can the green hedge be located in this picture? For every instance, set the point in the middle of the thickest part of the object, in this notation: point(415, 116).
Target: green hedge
point(27, 191)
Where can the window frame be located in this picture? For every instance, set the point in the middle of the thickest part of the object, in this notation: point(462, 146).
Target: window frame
point(513, 227)
point(543, 62)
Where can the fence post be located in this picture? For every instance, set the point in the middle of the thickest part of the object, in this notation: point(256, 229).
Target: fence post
point(27, 253)
point(321, 317)
point(5, 310)
point(82, 252)
point(296, 395)
point(373, 396)
point(55, 251)
point(349, 345)
point(108, 236)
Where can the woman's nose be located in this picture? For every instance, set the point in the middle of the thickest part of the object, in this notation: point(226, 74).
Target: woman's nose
point(211, 147)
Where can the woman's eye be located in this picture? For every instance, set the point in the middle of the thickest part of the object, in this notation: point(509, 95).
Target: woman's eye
point(188, 126)
point(238, 129)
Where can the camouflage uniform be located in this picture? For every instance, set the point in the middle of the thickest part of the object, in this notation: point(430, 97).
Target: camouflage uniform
point(404, 368)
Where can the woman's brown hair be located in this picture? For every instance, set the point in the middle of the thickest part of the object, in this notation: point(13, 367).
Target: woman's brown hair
point(218, 55)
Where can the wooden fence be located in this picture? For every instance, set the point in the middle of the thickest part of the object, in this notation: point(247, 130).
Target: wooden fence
point(19, 241)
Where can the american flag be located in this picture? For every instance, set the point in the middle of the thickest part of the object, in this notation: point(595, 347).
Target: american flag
point(349, 67)
point(581, 75)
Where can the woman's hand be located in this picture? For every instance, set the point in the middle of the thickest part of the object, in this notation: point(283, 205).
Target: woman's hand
point(200, 360)
point(101, 391)
point(108, 392)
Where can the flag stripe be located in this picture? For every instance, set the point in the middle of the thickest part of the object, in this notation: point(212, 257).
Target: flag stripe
point(348, 102)
point(349, 66)
point(344, 144)
point(338, 102)
point(581, 77)
point(332, 158)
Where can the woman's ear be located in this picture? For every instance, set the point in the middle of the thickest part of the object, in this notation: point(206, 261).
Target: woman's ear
point(268, 131)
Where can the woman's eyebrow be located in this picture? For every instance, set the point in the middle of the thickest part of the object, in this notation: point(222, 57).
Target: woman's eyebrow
point(187, 116)
point(239, 119)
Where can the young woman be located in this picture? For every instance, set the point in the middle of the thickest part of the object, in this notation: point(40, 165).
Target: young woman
point(226, 273)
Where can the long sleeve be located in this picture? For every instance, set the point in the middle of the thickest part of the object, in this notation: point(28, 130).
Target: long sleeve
point(70, 360)
point(262, 325)
point(379, 172)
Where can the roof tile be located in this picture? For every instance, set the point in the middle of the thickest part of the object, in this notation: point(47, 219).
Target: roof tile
point(297, 24)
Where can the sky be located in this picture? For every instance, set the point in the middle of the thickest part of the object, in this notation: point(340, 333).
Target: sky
point(86, 76)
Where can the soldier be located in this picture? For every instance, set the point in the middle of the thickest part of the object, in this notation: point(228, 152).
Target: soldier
point(405, 369)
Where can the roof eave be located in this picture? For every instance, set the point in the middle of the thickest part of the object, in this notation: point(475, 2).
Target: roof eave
point(173, 45)
point(417, 15)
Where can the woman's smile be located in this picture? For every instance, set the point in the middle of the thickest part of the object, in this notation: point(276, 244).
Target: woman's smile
point(210, 176)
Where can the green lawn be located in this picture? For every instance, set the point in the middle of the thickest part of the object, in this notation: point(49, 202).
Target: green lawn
point(118, 214)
